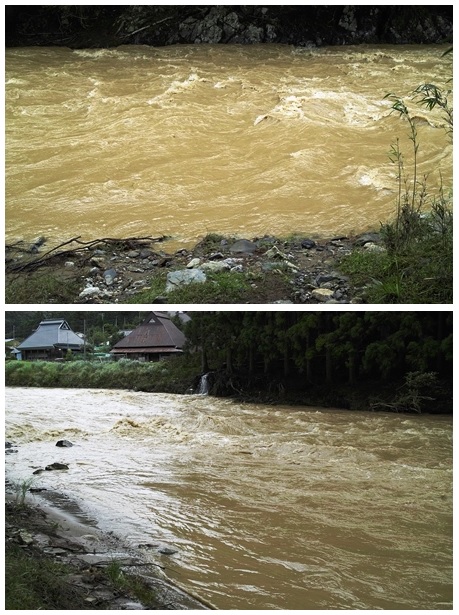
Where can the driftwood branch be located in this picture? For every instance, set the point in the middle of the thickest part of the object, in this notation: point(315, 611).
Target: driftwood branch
point(53, 253)
point(150, 25)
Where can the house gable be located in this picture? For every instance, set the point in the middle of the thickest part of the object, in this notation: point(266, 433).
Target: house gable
point(156, 336)
point(50, 338)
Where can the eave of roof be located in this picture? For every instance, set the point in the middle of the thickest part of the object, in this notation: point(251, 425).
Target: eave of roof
point(151, 350)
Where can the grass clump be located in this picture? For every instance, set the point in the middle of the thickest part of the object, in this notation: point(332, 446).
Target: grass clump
point(130, 583)
point(221, 287)
point(20, 489)
point(40, 288)
point(37, 583)
point(417, 264)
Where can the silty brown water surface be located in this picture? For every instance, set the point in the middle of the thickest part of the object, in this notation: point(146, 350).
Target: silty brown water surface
point(267, 507)
point(187, 140)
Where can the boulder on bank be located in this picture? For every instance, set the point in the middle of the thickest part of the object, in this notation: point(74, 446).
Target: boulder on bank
point(175, 279)
point(243, 246)
point(323, 295)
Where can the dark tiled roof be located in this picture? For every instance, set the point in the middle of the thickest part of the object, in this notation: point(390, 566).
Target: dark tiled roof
point(157, 333)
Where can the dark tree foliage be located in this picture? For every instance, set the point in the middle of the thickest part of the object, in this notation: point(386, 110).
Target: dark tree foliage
point(325, 347)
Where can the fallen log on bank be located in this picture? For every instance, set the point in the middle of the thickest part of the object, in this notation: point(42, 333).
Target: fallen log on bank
point(129, 243)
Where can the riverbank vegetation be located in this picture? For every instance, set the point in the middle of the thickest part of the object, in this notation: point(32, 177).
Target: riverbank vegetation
point(400, 361)
point(174, 376)
point(416, 264)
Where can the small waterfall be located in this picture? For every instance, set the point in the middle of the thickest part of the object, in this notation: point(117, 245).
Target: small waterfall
point(203, 388)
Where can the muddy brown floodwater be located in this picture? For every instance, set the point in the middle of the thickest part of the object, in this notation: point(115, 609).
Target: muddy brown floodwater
point(188, 140)
point(264, 507)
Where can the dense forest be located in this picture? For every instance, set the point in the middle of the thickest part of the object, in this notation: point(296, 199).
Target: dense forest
point(329, 352)
point(113, 25)
point(324, 345)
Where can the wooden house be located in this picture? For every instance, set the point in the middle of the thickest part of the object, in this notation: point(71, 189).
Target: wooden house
point(51, 340)
point(155, 338)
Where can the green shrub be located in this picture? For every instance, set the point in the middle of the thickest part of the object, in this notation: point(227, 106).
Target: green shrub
point(172, 375)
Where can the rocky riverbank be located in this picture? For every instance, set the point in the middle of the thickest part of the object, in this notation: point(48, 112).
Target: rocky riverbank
point(307, 26)
point(301, 270)
point(57, 558)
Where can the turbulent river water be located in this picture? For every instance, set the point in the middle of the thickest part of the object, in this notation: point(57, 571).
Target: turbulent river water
point(267, 507)
point(188, 140)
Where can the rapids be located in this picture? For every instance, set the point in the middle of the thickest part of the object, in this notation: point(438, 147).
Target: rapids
point(189, 140)
point(267, 507)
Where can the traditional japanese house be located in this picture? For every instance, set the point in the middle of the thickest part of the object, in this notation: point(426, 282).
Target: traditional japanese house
point(155, 338)
point(51, 340)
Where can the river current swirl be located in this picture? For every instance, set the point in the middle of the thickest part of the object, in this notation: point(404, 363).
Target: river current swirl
point(266, 507)
point(189, 140)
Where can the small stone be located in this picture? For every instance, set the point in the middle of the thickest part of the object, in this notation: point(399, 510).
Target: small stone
point(194, 262)
point(98, 262)
point(133, 254)
point(368, 238)
point(134, 269)
point(57, 466)
point(243, 246)
point(322, 294)
point(164, 261)
point(291, 266)
point(39, 241)
point(274, 252)
point(167, 551)
point(374, 248)
point(323, 278)
point(109, 276)
point(25, 537)
point(90, 291)
point(64, 443)
point(69, 264)
point(307, 244)
point(215, 266)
